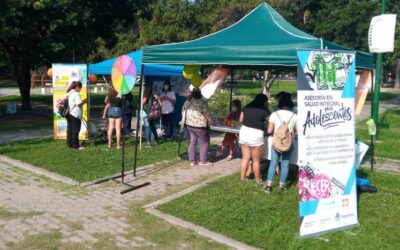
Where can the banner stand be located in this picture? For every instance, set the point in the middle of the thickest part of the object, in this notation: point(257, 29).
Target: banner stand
point(316, 235)
point(327, 160)
point(122, 175)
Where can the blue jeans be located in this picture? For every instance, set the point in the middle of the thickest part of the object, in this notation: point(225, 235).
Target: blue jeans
point(149, 128)
point(284, 159)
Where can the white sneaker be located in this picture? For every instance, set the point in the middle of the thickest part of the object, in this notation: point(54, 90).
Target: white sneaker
point(206, 164)
point(81, 148)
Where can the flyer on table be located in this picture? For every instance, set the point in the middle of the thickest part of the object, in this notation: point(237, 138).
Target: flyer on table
point(326, 135)
point(63, 75)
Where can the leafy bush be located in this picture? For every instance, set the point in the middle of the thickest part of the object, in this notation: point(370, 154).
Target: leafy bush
point(218, 104)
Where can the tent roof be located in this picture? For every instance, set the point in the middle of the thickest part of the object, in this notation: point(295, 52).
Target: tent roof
point(105, 67)
point(262, 37)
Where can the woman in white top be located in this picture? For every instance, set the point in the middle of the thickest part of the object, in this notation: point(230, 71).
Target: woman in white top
point(284, 113)
point(74, 115)
point(167, 99)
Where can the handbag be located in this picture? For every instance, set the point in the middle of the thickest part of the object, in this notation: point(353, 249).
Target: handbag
point(183, 120)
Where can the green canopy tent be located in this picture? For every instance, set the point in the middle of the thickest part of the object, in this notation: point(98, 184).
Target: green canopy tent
point(262, 38)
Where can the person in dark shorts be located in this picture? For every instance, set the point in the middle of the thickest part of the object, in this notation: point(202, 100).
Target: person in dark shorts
point(113, 109)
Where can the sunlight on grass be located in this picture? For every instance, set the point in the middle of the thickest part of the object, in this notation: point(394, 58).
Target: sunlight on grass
point(388, 134)
point(246, 213)
point(84, 165)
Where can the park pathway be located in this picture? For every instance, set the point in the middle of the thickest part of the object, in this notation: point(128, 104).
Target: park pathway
point(32, 205)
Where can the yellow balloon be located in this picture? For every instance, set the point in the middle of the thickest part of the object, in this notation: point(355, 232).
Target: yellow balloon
point(187, 75)
point(190, 70)
point(196, 81)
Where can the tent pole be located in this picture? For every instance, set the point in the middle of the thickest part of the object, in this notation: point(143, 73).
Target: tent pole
point(138, 119)
point(372, 115)
point(230, 97)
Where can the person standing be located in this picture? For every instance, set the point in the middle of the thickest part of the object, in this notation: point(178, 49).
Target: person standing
point(229, 138)
point(251, 135)
point(196, 119)
point(283, 114)
point(74, 116)
point(167, 99)
point(149, 116)
point(113, 109)
point(127, 113)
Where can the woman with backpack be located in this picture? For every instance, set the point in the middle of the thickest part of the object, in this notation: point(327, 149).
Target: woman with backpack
point(251, 135)
point(74, 115)
point(282, 121)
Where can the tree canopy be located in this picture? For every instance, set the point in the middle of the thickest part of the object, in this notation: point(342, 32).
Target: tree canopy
point(38, 32)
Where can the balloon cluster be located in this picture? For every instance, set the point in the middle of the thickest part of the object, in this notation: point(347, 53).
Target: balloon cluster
point(191, 72)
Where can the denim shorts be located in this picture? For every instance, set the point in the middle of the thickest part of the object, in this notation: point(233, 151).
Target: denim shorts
point(114, 112)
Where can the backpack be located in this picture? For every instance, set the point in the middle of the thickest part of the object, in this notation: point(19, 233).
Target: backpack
point(155, 110)
point(63, 108)
point(282, 141)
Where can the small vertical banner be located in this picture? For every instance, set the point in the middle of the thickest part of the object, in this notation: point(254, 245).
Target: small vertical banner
point(63, 75)
point(327, 170)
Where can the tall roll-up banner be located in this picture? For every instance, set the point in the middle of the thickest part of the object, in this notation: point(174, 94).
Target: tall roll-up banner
point(63, 75)
point(326, 128)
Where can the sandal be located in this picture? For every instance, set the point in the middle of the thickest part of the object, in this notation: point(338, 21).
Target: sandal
point(261, 183)
point(243, 181)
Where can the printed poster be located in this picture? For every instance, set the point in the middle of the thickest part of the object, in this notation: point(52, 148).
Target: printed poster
point(63, 75)
point(326, 124)
point(381, 34)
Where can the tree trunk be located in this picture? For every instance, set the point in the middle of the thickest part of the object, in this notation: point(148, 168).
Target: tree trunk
point(397, 79)
point(22, 73)
point(265, 89)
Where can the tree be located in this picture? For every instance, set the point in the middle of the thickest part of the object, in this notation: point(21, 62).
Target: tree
point(37, 32)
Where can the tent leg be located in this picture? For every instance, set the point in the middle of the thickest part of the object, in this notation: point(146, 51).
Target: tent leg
point(180, 142)
point(230, 97)
point(138, 120)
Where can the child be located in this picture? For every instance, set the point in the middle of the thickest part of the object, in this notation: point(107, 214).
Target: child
point(229, 138)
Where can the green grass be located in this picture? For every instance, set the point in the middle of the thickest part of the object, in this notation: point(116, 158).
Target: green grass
point(8, 84)
point(31, 120)
point(250, 88)
point(384, 96)
point(6, 214)
point(85, 165)
point(45, 99)
point(388, 134)
point(45, 122)
point(96, 99)
point(272, 222)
